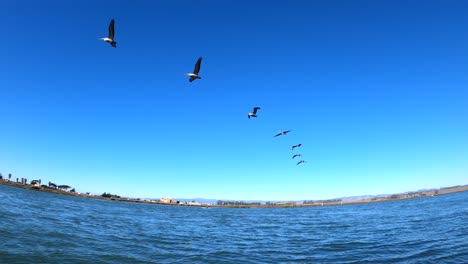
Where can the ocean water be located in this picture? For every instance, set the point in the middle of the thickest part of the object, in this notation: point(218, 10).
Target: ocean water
point(38, 227)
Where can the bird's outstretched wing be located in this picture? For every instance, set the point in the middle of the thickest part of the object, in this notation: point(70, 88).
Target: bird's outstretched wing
point(111, 29)
point(296, 146)
point(255, 110)
point(283, 133)
point(192, 78)
point(197, 66)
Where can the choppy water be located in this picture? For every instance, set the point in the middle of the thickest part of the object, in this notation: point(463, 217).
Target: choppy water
point(37, 227)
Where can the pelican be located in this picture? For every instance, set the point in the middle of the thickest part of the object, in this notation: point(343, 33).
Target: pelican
point(296, 146)
point(296, 155)
point(282, 133)
point(110, 38)
point(193, 76)
point(302, 161)
point(254, 114)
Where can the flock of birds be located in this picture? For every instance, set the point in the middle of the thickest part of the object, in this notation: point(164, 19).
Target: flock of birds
point(193, 76)
point(293, 147)
point(281, 133)
point(110, 39)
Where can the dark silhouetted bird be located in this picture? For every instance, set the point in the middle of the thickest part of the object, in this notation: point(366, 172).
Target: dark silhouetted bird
point(302, 161)
point(296, 146)
point(194, 75)
point(110, 37)
point(282, 133)
point(254, 113)
point(296, 155)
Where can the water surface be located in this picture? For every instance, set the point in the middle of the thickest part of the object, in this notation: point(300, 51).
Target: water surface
point(38, 227)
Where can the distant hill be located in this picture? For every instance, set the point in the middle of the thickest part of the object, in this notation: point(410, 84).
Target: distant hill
point(347, 198)
point(211, 201)
point(363, 197)
point(200, 200)
point(214, 201)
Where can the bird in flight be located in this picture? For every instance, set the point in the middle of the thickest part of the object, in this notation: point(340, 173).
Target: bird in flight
point(282, 133)
point(194, 75)
point(296, 155)
point(110, 37)
point(296, 146)
point(254, 113)
point(302, 161)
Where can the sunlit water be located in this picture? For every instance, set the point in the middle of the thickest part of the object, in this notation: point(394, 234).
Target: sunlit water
point(38, 227)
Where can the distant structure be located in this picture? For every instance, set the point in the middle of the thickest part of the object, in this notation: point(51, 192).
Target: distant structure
point(167, 200)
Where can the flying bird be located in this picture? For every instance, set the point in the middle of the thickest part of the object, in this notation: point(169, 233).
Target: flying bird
point(296, 146)
point(194, 75)
point(302, 161)
point(254, 114)
point(296, 155)
point(110, 38)
point(282, 133)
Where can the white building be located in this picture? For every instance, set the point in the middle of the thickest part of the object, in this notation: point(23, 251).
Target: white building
point(167, 200)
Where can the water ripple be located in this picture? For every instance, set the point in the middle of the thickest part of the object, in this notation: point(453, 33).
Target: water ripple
point(41, 227)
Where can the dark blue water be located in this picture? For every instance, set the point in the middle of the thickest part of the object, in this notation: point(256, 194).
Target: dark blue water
point(37, 227)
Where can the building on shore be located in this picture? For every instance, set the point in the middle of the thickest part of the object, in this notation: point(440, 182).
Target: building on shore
point(168, 201)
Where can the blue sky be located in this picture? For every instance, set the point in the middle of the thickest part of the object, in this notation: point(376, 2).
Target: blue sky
point(376, 92)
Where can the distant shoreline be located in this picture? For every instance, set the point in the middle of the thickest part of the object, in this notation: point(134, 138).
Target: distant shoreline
point(330, 202)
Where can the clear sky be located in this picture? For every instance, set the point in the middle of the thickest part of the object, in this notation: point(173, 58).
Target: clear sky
point(376, 92)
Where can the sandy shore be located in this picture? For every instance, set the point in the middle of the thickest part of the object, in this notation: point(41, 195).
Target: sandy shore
point(332, 202)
